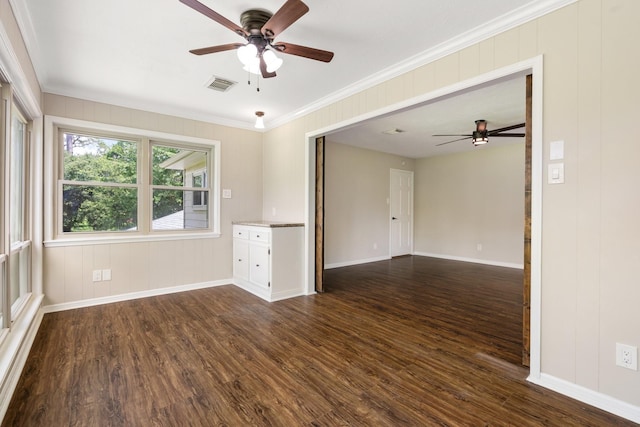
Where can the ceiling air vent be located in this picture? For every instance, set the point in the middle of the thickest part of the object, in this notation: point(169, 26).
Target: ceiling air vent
point(220, 84)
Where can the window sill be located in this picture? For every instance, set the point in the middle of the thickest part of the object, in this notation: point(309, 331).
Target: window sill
point(107, 240)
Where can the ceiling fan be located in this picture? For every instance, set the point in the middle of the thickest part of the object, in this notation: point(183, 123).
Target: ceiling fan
point(481, 135)
point(260, 28)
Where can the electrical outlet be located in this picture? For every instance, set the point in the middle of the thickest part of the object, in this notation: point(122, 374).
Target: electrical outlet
point(97, 275)
point(627, 356)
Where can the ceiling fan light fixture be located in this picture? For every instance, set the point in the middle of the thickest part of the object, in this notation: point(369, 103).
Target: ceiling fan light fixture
point(247, 54)
point(253, 67)
point(259, 120)
point(479, 137)
point(272, 61)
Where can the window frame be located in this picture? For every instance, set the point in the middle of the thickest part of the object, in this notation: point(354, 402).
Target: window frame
point(186, 185)
point(23, 247)
point(61, 181)
point(14, 254)
point(54, 168)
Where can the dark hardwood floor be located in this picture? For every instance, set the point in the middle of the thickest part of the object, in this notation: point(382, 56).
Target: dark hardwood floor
point(413, 341)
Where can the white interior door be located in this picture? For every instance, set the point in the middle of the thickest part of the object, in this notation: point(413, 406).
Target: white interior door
point(401, 212)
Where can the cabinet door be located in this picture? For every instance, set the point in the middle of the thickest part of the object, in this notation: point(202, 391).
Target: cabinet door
point(241, 259)
point(259, 267)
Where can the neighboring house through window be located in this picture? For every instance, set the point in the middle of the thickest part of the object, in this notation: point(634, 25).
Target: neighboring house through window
point(199, 180)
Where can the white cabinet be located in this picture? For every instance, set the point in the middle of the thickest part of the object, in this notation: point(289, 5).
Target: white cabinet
point(267, 259)
point(241, 259)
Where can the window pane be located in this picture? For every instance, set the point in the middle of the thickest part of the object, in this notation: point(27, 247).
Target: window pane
point(14, 277)
point(166, 165)
point(3, 270)
point(170, 165)
point(16, 181)
point(169, 212)
point(90, 158)
point(19, 274)
point(93, 208)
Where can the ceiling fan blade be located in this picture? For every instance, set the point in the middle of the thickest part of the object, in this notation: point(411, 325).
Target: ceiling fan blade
point(196, 5)
point(214, 49)
point(289, 13)
point(304, 51)
point(493, 132)
point(512, 135)
point(263, 69)
point(455, 140)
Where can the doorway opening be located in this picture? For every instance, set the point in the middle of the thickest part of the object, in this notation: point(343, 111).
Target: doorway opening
point(533, 191)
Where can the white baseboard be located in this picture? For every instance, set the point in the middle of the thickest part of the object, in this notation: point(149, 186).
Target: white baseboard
point(355, 262)
point(427, 254)
point(15, 350)
point(588, 396)
point(473, 260)
point(131, 296)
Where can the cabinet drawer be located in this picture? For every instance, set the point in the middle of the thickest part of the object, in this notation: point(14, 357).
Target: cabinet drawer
point(240, 233)
point(260, 236)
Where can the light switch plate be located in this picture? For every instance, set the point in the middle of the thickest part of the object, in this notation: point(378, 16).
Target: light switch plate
point(556, 150)
point(556, 173)
point(226, 193)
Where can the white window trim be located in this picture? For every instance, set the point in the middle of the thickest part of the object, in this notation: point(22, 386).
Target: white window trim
point(51, 237)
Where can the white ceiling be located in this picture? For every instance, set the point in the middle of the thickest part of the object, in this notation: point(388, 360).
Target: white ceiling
point(500, 103)
point(135, 54)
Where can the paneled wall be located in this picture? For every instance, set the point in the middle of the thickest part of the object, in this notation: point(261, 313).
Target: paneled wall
point(146, 266)
point(589, 224)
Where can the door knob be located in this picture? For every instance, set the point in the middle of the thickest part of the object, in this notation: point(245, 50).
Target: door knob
point(393, 217)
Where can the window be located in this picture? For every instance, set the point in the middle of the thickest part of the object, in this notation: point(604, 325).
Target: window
point(198, 180)
point(114, 182)
point(20, 245)
point(15, 243)
point(177, 205)
point(100, 183)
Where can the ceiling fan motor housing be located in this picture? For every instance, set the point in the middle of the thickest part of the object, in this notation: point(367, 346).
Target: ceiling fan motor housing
point(253, 20)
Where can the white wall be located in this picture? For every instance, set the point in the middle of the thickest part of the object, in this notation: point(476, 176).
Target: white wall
point(356, 208)
point(589, 224)
point(146, 266)
point(471, 198)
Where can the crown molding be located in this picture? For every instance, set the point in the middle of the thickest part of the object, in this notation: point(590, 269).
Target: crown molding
point(151, 107)
point(487, 30)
